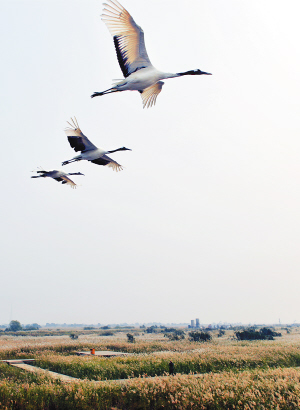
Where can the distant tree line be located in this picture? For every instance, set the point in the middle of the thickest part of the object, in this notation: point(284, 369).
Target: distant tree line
point(197, 336)
point(15, 326)
point(262, 334)
point(174, 334)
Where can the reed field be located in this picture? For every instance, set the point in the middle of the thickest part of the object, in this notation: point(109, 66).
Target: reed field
point(221, 374)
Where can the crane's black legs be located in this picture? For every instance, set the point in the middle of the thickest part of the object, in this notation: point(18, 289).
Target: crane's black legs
point(109, 91)
point(70, 160)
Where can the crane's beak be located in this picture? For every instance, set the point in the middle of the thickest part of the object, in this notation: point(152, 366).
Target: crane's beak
point(199, 72)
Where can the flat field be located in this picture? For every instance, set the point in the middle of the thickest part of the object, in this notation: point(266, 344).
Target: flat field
point(221, 374)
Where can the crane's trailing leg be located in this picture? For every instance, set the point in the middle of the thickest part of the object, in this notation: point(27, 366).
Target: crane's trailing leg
point(70, 160)
point(109, 91)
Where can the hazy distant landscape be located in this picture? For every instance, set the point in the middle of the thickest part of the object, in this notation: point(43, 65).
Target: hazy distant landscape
point(213, 368)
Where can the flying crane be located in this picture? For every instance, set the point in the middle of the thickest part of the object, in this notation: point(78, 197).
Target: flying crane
point(59, 176)
point(139, 73)
point(89, 151)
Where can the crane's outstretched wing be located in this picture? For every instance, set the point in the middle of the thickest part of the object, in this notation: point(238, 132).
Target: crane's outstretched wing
point(106, 161)
point(150, 94)
point(66, 180)
point(77, 140)
point(128, 38)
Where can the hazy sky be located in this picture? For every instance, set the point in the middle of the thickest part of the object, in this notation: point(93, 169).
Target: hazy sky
point(204, 219)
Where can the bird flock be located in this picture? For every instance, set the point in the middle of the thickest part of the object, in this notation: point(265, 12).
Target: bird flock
point(139, 75)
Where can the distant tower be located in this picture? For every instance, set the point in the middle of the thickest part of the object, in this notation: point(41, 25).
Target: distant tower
point(197, 323)
point(192, 323)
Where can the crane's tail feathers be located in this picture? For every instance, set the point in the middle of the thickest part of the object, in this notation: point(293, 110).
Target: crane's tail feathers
point(109, 91)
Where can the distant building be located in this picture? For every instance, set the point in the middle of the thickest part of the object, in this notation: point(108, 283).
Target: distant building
point(192, 323)
point(197, 323)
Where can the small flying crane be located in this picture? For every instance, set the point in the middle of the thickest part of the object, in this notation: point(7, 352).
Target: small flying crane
point(89, 151)
point(59, 176)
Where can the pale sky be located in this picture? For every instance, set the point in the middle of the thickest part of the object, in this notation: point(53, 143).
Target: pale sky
point(204, 219)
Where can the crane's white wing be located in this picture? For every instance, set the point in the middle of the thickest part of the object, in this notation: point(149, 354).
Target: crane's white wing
point(128, 38)
point(77, 140)
point(106, 161)
point(66, 180)
point(150, 94)
point(115, 166)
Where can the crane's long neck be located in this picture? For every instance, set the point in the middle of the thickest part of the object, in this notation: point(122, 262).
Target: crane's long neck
point(163, 75)
point(119, 149)
point(192, 72)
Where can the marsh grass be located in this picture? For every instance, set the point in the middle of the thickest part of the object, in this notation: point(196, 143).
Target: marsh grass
point(235, 375)
point(22, 348)
point(209, 359)
point(259, 389)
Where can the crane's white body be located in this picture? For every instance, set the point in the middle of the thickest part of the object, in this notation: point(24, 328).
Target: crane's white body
point(142, 79)
point(140, 75)
point(90, 155)
point(54, 174)
point(89, 151)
